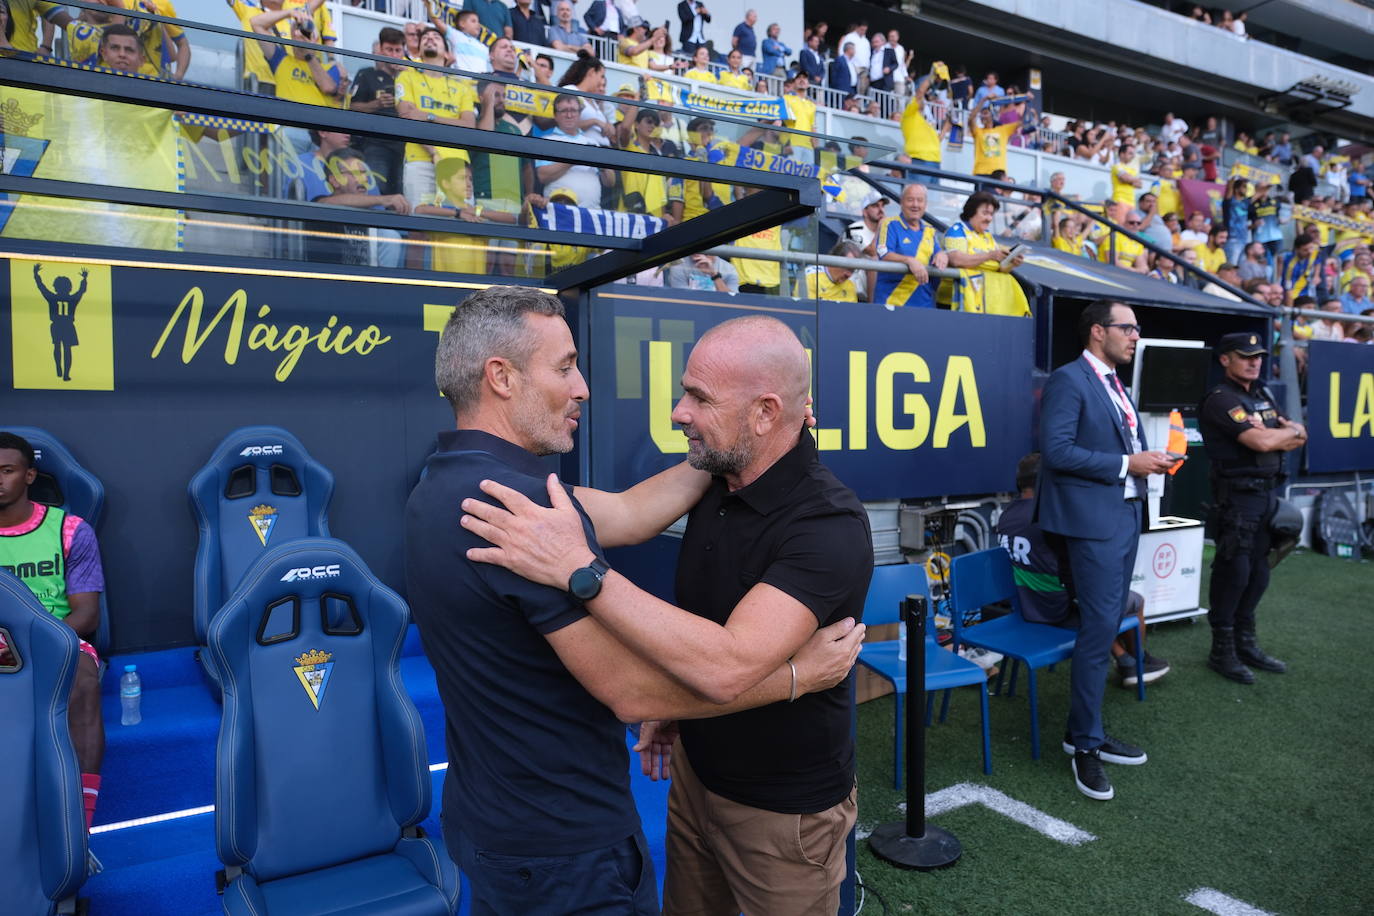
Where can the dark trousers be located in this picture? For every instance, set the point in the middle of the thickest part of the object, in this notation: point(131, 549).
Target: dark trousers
point(1240, 568)
point(384, 161)
point(1101, 580)
point(617, 880)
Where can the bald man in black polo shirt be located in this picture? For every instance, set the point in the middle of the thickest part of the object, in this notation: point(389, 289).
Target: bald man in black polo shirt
point(537, 807)
point(762, 800)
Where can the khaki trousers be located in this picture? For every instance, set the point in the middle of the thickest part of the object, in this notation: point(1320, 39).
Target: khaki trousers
point(725, 858)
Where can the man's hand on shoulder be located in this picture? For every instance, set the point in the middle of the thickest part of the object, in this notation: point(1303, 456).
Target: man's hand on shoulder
point(828, 656)
point(539, 544)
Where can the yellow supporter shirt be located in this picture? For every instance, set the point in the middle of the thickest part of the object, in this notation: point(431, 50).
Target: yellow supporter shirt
point(25, 15)
point(651, 189)
point(817, 284)
point(443, 96)
point(1166, 190)
point(1210, 259)
point(458, 254)
point(705, 76)
point(760, 273)
point(623, 55)
point(1126, 247)
point(254, 61)
point(1122, 189)
point(1348, 276)
point(296, 83)
point(990, 147)
point(983, 289)
point(737, 80)
point(922, 141)
point(1072, 246)
point(801, 114)
point(83, 46)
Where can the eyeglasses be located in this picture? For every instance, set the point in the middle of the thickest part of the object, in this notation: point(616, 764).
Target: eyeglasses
point(1133, 222)
point(1130, 330)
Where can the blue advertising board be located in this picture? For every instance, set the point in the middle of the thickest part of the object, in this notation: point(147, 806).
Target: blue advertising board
point(1340, 406)
point(909, 402)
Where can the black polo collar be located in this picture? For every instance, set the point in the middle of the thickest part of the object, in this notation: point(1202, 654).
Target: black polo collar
point(773, 489)
point(508, 453)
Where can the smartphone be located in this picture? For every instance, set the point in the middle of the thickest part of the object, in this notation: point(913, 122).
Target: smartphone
point(1175, 456)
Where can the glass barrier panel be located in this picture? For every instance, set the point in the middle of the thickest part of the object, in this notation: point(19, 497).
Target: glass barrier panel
point(143, 229)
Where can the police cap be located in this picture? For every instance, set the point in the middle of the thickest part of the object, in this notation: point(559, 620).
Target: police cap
point(1246, 343)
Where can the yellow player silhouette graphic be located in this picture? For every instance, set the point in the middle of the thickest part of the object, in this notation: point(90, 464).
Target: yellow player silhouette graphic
point(62, 303)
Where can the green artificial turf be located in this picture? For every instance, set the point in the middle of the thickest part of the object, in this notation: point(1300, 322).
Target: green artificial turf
point(1261, 792)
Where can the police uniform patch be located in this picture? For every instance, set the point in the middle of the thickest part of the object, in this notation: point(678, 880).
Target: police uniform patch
point(1238, 414)
point(313, 669)
point(263, 519)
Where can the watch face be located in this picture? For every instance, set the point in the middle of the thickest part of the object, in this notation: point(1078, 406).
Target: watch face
point(585, 583)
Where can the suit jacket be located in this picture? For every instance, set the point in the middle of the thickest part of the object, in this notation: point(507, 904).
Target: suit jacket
point(813, 66)
point(842, 75)
point(596, 16)
point(1081, 445)
point(686, 13)
point(889, 59)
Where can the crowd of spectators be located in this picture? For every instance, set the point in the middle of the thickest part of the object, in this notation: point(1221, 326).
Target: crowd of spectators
point(1242, 238)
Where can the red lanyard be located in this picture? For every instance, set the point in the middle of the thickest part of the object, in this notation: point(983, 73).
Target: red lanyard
point(1125, 401)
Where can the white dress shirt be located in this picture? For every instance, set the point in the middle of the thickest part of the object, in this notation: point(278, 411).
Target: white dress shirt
point(1125, 413)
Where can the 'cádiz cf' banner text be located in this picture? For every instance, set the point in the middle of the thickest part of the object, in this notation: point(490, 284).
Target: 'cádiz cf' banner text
point(909, 402)
point(70, 138)
point(1340, 406)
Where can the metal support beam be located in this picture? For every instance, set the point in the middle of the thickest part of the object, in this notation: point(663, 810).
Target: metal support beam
point(732, 221)
point(276, 208)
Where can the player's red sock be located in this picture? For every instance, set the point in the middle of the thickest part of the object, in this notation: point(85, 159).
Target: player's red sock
point(90, 791)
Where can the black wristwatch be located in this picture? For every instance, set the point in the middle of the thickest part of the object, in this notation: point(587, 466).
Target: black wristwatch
point(585, 583)
point(715, 277)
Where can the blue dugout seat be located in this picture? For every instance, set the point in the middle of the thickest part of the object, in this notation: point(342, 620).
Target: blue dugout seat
point(984, 578)
point(43, 844)
point(944, 669)
point(259, 489)
point(64, 483)
point(321, 775)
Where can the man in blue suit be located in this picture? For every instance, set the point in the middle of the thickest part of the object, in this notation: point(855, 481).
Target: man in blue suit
point(1091, 502)
point(843, 75)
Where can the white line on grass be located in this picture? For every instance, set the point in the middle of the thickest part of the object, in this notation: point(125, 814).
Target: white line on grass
point(190, 812)
point(1214, 901)
point(967, 793)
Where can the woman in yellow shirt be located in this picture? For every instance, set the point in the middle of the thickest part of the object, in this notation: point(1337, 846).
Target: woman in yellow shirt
point(1069, 238)
point(982, 285)
point(734, 76)
point(701, 66)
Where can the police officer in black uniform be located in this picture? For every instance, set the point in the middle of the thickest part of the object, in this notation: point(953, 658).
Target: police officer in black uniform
point(1246, 436)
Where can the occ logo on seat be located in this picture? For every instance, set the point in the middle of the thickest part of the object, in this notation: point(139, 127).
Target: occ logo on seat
point(62, 327)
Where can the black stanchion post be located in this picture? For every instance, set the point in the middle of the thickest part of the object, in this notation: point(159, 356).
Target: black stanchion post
point(913, 843)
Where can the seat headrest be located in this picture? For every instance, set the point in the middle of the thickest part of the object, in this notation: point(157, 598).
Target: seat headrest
point(62, 481)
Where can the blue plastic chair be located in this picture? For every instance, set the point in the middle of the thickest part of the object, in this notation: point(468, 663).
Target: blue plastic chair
point(64, 483)
point(43, 845)
point(945, 670)
point(321, 776)
point(259, 489)
point(983, 578)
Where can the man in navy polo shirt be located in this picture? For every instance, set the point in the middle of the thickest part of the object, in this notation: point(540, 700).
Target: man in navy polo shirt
point(537, 809)
point(762, 799)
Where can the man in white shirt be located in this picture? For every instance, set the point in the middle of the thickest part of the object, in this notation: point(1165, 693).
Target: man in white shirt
point(1173, 128)
point(584, 181)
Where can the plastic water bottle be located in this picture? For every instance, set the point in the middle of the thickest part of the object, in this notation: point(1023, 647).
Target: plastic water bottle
point(130, 695)
point(901, 642)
